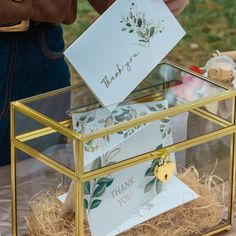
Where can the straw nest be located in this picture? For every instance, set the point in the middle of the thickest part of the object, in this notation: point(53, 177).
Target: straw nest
point(205, 213)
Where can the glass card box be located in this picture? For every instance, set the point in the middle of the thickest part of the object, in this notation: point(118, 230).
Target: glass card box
point(162, 162)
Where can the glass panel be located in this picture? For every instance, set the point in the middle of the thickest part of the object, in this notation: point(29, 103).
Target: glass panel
point(212, 160)
point(222, 109)
point(141, 197)
point(25, 124)
point(55, 146)
point(136, 141)
point(186, 193)
point(60, 106)
point(45, 140)
point(165, 83)
point(38, 189)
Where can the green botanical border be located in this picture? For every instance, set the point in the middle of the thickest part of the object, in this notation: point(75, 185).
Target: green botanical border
point(137, 23)
point(95, 189)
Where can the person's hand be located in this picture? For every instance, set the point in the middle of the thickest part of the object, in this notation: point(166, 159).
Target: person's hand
point(176, 6)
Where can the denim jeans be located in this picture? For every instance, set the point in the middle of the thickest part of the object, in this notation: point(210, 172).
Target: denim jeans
point(31, 63)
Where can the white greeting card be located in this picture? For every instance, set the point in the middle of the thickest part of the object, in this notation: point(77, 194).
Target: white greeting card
point(123, 46)
point(129, 191)
point(86, 122)
point(126, 194)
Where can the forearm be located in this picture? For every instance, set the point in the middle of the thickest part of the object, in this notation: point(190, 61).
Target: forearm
point(101, 5)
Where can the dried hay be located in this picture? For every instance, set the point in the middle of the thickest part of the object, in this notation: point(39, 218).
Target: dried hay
point(193, 218)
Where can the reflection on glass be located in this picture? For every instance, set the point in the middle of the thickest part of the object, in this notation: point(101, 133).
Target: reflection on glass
point(165, 82)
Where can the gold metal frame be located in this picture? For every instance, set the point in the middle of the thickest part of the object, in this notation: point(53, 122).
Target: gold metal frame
point(18, 142)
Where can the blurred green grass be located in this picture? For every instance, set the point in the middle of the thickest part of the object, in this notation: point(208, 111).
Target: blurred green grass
point(210, 26)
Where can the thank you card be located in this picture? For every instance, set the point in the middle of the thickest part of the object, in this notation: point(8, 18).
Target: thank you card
point(123, 46)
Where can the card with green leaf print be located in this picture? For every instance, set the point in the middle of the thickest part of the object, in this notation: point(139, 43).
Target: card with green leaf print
point(86, 122)
point(123, 191)
point(122, 196)
point(123, 46)
point(119, 201)
point(120, 188)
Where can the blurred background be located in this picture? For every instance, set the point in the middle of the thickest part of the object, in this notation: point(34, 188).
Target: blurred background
point(210, 26)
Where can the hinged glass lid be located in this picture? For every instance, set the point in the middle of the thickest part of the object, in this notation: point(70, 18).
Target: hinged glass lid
point(167, 90)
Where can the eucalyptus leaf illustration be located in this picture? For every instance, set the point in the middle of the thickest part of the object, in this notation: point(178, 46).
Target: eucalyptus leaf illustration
point(107, 138)
point(142, 40)
point(108, 121)
point(154, 183)
point(159, 186)
point(162, 126)
point(106, 180)
point(165, 128)
point(152, 108)
point(121, 117)
point(110, 163)
point(163, 135)
point(85, 203)
point(159, 147)
point(91, 119)
point(140, 23)
point(101, 121)
point(152, 31)
point(97, 163)
point(90, 142)
point(108, 156)
point(149, 185)
point(160, 106)
point(87, 188)
point(95, 203)
point(131, 15)
point(137, 24)
point(100, 190)
point(155, 162)
point(149, 172)
point(134, 113)
point(169, 130)
point(83, 125)
point(82, 118)
point(165, 120)
point(94, 189)
point(140, 33)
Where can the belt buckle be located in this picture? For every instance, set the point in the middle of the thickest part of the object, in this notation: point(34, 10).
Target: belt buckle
point(17, 27)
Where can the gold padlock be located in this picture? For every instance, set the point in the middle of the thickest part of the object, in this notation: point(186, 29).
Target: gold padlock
point(165, 168)
point(165, 171)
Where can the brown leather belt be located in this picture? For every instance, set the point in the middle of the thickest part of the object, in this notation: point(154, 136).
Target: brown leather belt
point(15, 27)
